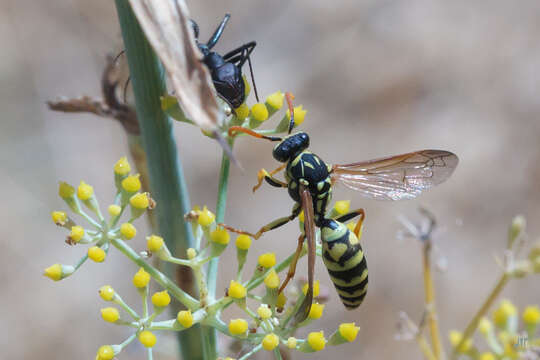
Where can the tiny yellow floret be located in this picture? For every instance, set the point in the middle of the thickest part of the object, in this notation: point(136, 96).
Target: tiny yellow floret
point(238, 326)
point(264, 312)
point(259, 112)
point(267, 260)
point(484, 326)
point(206, 217)
point(122, 167)
point(455, 338)
point(349, 331)
point(272, 279)
point(96, 254)
point(114, 210)
point(154, 243)
point(220, 236)
point(106, 292)
point(243, 242)
point(301, 216)
point(105, 352)
point(128, 230)
point(59, 217)
point(132, 183)
point(161, 299)
point(281, 301)
point(275, 100)
point(147, 338)
point(185, 318)
point(85, 191)
point(141, 278)
point(503, 312)
point(342, 207)
point(54, 272)
point(486, 356)
point(299, 115)
point(237, 290)
point(65, 190)
point(316, 288)
point(242, 111)
point(316, 340)
point(110, 314)
point(291, 343)
point(270, 342)
point(316, 311)
point(77, 233)
point(351, 226)
point(191, 253)
point(531, 315)
point(140, 201)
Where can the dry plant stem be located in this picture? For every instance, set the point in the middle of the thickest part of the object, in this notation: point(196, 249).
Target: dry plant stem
point(481, 312)
point(429, 294)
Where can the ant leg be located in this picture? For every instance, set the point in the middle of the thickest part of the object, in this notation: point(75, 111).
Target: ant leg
point(195, 27)
point(352, 215)
point(263, 174)
point(239, 56)
point(217, 34)
point(292, 266)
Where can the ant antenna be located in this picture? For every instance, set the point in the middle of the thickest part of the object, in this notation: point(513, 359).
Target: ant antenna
point(289, 96)
point(217, 34)
point(239, 129)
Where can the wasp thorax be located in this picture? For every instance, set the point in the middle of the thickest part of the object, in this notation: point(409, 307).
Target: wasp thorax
point(291, 146)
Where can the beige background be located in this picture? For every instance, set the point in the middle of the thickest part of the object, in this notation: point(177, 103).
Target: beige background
point(377, 78)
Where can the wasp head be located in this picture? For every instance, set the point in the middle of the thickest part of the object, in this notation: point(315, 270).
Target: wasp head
point(291, 146)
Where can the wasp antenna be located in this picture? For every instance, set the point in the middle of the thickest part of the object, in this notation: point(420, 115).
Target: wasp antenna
point(290, 97)
point(233, 130)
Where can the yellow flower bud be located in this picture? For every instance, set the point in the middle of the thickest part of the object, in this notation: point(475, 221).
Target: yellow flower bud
point(84, 191)
point(185, 318)
point(141, 278)
point(114, 210)
point(54, 272)
point(106, 292)
point(247, 86)
point(110, 314)
point(275, 100)
point(105, 352)
point(161, 299)
point(301, 216)
point(220, 236)
point(267, 260)
point(270, 341)
point(128, 230)
point(316, 288)
point(96, 254)
point(242, 112)
point(154, 243)
point(264, 312)
point(140, 201)
point(342, 207)
point(122, 167)
point(348, 331)
point(455, 338)
point(206, 217)
point(531, 315)
point(243, 242)
point(272, 279)
point(291, 343)
point(351, 226)
point(299, 115)
point(316, 311)
point(486, 356)
point(65, 190)
point(77, 233)
point(484, 326)
point(132, 183)
point(147, 338)
point(191, 253)
point(237, 290)
point(259, 112)
point(59, 217)
point(503, 312)
point(238, 326)
point(281, 301)
point(316, 340)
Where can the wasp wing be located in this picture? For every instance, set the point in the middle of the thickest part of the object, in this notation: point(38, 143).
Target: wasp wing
point(397, 177)
point(309, 229)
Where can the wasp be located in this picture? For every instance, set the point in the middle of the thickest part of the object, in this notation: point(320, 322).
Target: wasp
point(226, 70)
point(309, 181)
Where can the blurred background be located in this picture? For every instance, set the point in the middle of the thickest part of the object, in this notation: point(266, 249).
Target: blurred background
point(377, 78)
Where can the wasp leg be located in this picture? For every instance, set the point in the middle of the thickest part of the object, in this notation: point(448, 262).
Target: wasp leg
point(352, 215)
point(263, 174)
point(292, 266)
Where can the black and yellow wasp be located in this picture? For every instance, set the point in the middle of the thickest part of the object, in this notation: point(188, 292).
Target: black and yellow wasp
point(309, 181)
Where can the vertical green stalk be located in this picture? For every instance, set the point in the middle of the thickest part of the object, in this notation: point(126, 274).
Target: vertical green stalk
point(166, 177)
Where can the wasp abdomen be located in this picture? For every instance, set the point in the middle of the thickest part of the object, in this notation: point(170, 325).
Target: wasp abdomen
point(345, 261)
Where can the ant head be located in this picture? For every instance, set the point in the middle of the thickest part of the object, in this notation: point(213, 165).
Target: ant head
point(291, 146)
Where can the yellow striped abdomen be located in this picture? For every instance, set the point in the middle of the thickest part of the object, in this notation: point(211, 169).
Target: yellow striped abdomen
point(345, 261)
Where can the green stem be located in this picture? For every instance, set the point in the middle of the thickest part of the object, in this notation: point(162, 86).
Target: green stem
point(253, 351)
point(167, 181)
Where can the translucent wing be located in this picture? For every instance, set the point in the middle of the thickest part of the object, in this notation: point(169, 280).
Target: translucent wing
point(397, 177)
